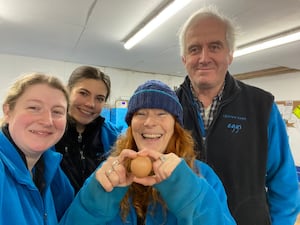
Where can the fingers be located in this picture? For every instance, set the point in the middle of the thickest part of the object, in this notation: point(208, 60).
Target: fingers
point(113, 171)
point(162, 158)
point(163, 165)
point(146, 181)
point(104, 175)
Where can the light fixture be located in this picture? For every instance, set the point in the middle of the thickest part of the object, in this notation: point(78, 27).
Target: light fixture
point(156, 21)
point(269, 43)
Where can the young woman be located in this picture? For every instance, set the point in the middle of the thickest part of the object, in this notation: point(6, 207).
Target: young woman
point(180, 189)
point(88, 136)
point(33, 188)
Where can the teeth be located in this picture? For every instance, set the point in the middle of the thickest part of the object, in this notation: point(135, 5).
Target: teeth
point(86, 112)
point(38, 132)
point(152, 135)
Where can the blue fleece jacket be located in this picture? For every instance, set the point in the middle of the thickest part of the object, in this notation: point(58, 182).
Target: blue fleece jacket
point(20, 201)
point(109, 134)
point(283, 192)
point(191, 200)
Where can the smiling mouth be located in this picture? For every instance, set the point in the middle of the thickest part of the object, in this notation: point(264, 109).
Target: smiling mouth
point(87, 113)
point(152, 136)
point(204, 68)
point(40, 132)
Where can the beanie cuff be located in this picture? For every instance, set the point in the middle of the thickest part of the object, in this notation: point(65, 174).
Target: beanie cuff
point(152, 99)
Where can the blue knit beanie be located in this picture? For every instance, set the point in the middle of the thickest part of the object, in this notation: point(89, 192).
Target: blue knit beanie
point(154, 94)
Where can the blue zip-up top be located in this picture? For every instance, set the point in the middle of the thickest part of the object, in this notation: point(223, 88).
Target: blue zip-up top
point(21, 203)
point(191, 200)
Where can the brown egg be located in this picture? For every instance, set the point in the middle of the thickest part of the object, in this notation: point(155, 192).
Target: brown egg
point(141, 166)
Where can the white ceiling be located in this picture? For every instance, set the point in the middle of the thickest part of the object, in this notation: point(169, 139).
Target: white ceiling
point(91, 32)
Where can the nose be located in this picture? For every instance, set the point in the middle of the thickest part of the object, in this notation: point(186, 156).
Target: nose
point(46, 118)
point(204, 56)
point(90, 102)
point(150, 121)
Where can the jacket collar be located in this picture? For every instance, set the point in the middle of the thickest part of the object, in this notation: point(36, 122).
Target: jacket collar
point(17, 168)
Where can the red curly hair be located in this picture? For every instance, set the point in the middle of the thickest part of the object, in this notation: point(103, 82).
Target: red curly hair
point(181, 143)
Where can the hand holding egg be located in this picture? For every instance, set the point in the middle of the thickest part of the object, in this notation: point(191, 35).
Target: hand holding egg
point(141, 166)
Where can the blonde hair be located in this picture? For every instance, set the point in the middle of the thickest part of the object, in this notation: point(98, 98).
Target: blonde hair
point(181, 143)
point(18, 88)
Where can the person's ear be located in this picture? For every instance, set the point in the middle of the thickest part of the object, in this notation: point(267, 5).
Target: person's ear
point(230, 59)
point(183, 60)
point(6, 112)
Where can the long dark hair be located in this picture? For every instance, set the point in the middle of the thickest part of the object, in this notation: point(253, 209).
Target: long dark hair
point(89, 72)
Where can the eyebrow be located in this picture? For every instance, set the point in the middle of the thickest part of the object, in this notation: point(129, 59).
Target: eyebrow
point(216, 42)
point(86, 90)
point(38, 101)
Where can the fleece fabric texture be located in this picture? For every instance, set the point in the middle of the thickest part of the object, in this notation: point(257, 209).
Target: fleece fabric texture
point(21, 203)
point(81, 158)
point(191, 200)
point(248, 147)
point(154, 94)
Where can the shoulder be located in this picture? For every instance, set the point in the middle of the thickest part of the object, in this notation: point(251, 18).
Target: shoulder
point(207, 172)
point(254, 90)
point(203, 168)
point(109, 126)
point(52, 157)
point(246, 92)
point(183, 87)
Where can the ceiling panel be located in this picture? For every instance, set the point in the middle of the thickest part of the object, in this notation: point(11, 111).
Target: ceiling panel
point(92, 31)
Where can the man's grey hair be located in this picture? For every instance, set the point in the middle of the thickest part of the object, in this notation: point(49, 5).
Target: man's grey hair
point(209, 11)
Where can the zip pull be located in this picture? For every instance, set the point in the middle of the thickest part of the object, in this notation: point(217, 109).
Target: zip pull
point(81, 155)
point(83, 163)
point(79, 138)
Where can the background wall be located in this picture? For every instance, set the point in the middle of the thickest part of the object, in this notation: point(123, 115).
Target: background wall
point(123, 82)
point(283, 87)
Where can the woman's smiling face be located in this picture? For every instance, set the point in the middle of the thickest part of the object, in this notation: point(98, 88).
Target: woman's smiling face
point(38, 119)
point(87, 98)
point(152, 129)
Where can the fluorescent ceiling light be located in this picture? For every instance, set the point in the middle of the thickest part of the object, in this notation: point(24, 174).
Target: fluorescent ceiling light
point(159, 19)
point(277, 41)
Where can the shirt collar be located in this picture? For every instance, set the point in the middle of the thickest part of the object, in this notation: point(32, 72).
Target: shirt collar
point(217, 97)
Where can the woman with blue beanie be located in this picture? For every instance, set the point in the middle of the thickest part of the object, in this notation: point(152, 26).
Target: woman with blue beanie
point(179, 189)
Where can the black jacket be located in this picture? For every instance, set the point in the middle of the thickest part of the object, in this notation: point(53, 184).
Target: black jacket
point(235, 146)
point(81, 154)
